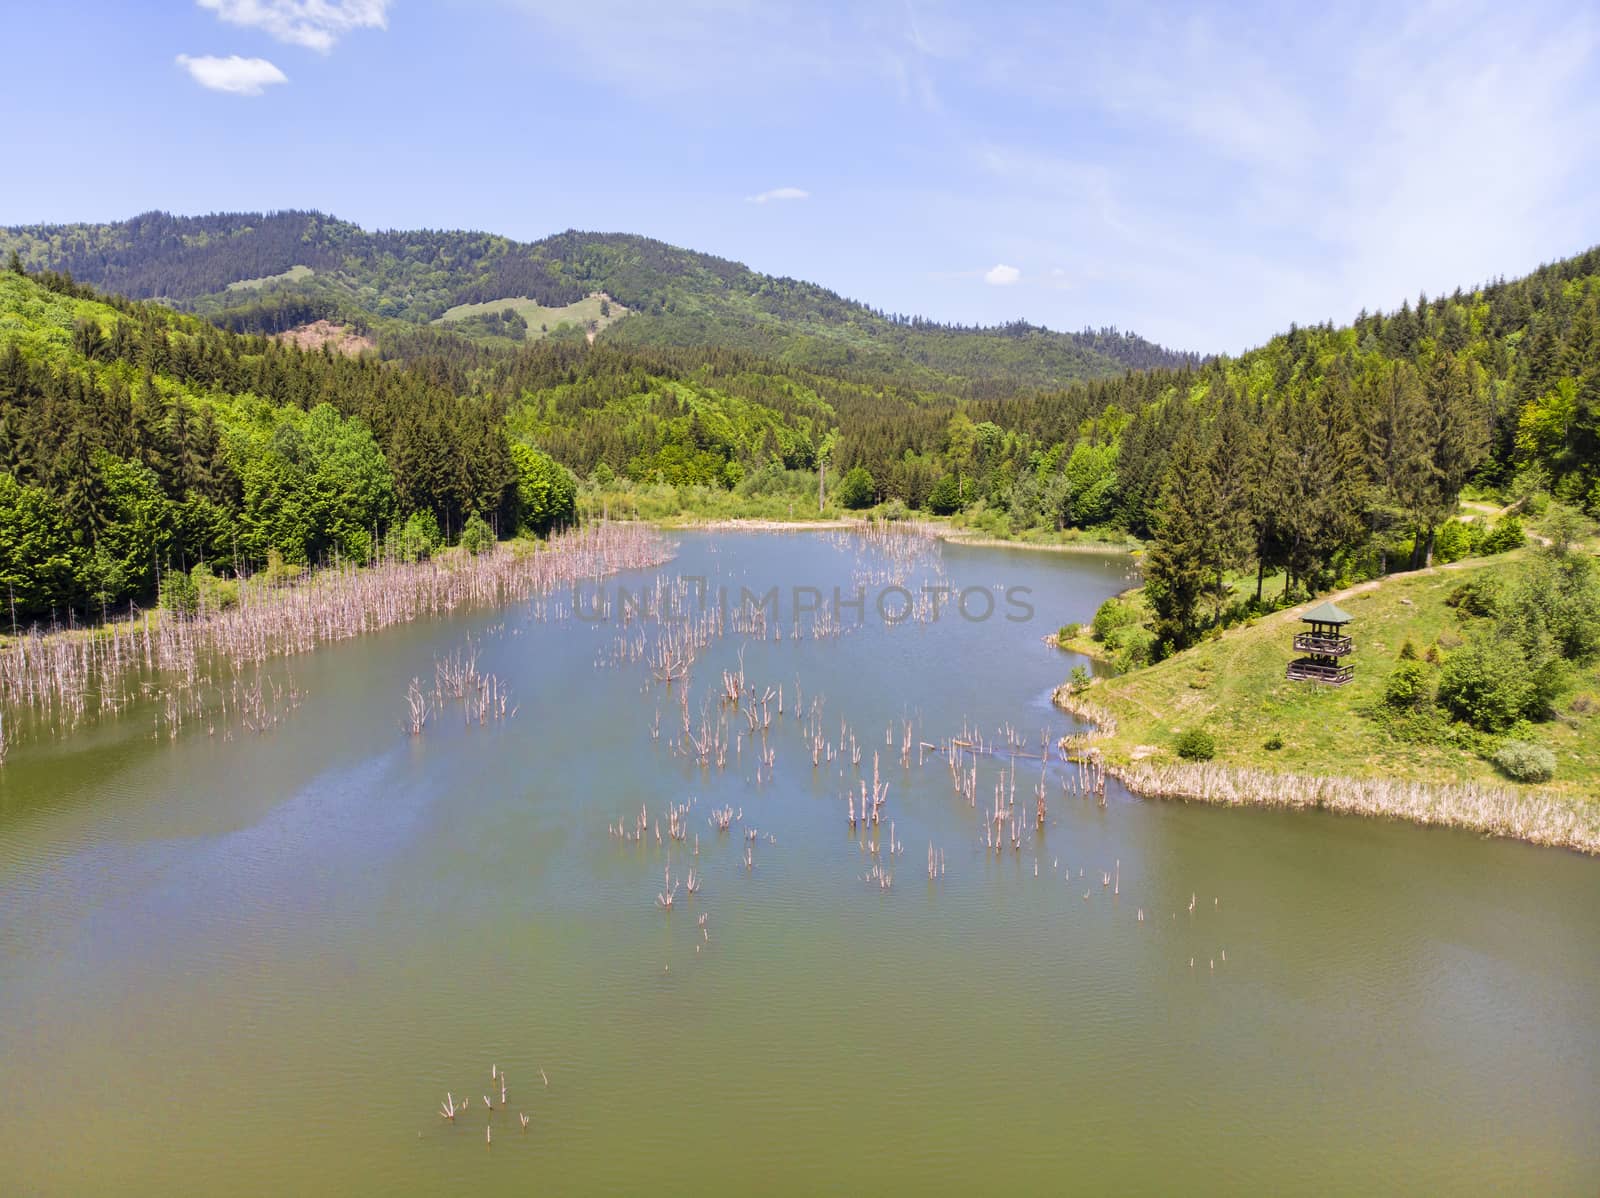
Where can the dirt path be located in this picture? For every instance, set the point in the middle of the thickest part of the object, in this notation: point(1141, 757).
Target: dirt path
point(1372, 584)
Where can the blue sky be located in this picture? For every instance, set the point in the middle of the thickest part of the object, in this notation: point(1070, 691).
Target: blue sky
point(1203, 175)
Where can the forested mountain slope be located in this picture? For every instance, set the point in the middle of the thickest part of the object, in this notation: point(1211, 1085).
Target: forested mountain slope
point(266, 272)
point(135, 440)
point(1329, 453)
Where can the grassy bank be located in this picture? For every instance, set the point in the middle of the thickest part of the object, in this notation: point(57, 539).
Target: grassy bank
point(1301, 743)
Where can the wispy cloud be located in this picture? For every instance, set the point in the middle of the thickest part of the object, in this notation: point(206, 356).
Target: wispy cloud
point(315, 24)
point(1441, 149)
point(239, 76)
point(1001, 275)
point(779, 193)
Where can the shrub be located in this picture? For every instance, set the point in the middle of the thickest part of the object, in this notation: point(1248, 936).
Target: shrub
point(1135, 646)
point(1477, 597)
point(214, 594)
point(417, 538)
point(1409, 687)
point(1110, 615)
point(1452, 543)
point(1067, 631)
point(1487, 685)
point(1523, 762)
point(945, 498)
point(279, 570)
point(1506, 534)
point(855, 489)
point(179, 593)
point(1196, 745)
point(476, 535)
point(1273, 743)
point(1079, 680)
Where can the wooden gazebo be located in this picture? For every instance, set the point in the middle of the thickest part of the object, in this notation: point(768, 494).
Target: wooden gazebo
point(1325, 647)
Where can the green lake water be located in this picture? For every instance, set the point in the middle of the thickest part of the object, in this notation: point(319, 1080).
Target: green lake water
point(255, 964)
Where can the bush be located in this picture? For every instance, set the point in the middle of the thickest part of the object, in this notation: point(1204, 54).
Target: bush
point(476, 535)
point(1135, 648)
point(1479, 597)
point(179, 594)
point(215, 594)
point(855, 489)
point(1273, 743)
point(280, 571)
point(1079, 680)
point(1196, 745)
point(1067, 631)
point(1487, 685)
point(1409, 687)
point(1452, 543)
point(1112, 614)
point(417, 539)
point(1506, 534)
point(945, 498)
point(1523, 762)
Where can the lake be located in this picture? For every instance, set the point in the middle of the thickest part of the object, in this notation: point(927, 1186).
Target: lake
point(256, 963)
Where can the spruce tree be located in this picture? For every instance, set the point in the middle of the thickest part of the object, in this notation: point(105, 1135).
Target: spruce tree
point(1176, 571)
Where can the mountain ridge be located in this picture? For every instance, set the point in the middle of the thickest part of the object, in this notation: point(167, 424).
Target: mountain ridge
point(676, 297)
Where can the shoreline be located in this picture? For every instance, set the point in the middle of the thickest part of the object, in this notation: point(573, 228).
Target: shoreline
point(1535, 817)
point(59, 681)
point(954, 536)
point(757, 524)
point(958, 536)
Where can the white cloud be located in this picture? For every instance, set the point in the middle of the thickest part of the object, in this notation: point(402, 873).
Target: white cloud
point(1001, 275)
point(315, 24)
point(240, 76)
point(779, 193)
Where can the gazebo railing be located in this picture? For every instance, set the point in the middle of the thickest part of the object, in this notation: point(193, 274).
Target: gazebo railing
point(1316, 671)
point(1319, 642)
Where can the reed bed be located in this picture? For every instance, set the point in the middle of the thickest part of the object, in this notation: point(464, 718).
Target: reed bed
point(54, 681)
point(1539, 818)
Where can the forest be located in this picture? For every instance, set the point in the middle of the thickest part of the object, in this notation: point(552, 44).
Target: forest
point(262, 273)
point(137, 440)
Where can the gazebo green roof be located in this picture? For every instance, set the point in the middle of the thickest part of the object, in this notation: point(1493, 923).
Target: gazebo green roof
point(1326, 613)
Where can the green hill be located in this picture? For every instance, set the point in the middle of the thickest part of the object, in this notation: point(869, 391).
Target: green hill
point(267, 272)
point(136, 441)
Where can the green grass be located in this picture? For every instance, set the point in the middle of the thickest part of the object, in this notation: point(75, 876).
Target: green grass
point(662, 503)
point(542, 320)
point(1234, 688)
point(293, 275)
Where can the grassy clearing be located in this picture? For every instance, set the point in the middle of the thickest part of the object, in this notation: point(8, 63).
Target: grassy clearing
point(585, 314)
point(1234, 687)
point(293, 275)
